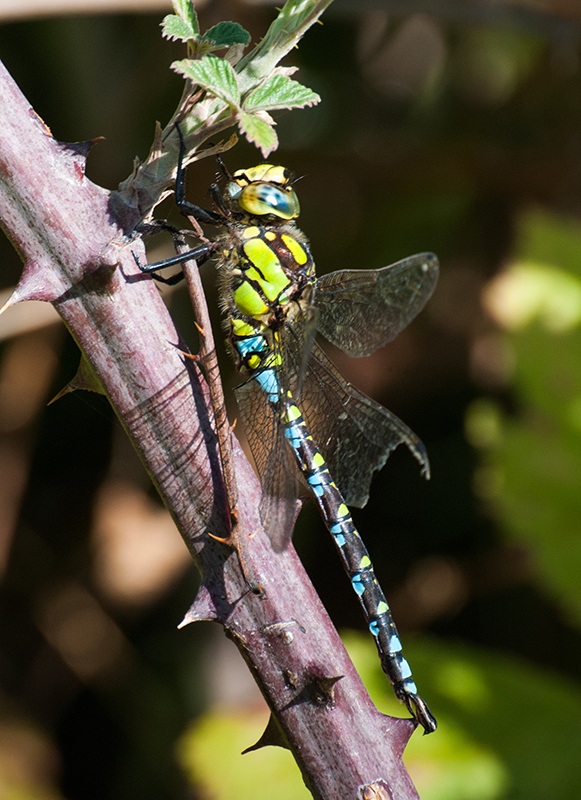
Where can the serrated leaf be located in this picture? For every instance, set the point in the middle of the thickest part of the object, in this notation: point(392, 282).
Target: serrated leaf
point(174, 28)
point(225, 34)
point(186, 11)
point(214, 74)
point(279, 91)
point(259, 132)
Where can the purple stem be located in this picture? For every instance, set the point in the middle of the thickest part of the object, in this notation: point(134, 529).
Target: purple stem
point(74, 238)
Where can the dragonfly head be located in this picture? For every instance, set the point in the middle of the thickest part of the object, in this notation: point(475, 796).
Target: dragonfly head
point(264, 191)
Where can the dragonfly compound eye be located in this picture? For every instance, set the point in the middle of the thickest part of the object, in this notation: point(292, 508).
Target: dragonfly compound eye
point(263, 199)
point(263, 191)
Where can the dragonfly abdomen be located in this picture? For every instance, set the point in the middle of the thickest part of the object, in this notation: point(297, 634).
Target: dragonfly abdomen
point(356, 561)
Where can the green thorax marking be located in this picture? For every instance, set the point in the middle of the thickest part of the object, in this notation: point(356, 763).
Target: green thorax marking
point(268, 267)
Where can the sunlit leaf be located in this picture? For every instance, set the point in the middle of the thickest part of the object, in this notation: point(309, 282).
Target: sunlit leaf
point(530, 290)
point(175, 28)
point(214, 74)
point(185, 9)
point(279, 91)
point(226, 34)
point(259, 132)
point(183, 25)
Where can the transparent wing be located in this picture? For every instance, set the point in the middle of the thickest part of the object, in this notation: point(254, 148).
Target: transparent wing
point(354, 433)
point(299, 342)
point(274, 461)
point(361, 310)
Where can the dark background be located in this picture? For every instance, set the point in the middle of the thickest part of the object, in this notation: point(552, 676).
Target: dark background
point(456, 129)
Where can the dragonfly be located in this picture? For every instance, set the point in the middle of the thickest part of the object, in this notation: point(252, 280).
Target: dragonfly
point(303, 420)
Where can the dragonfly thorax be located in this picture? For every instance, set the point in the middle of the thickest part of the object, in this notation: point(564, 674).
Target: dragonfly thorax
point(264, 268)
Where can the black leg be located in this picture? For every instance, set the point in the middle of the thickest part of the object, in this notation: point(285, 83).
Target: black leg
point(158, 226)
point(200, 254)
point(216, 196)
point(189, 209)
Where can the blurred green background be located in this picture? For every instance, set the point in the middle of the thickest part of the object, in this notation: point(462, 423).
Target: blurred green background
point(454, 128)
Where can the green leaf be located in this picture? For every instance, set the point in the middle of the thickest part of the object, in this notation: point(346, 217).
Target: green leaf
point(186, 11)
point(214, 74)
point(530, 468)
point(292, 22)
point(174, 28)
point(507, 730)
point(225, 34)
point(486, 704)
point(230, 774)
point(259, 132)
point(279, 91)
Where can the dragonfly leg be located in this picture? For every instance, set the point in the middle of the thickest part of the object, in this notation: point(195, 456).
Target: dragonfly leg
point(237, 541)
point(200, 254)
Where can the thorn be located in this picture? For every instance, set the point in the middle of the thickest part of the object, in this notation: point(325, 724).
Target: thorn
point(317, 690)
point(79, 152)
point(247, 571)
point(222, 539)
point(323, 690)
point(291, 679)
point(38, 281)
point(10, 302)
point(201, 610)
point(82, 149)
point(65, 390)
point(271, 737)
point(84, 378)
point(253, 534)
point(157, 145)
point(200, 329)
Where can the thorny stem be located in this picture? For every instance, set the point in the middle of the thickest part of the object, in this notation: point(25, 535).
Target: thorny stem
point(76, 241)
point(208, 362)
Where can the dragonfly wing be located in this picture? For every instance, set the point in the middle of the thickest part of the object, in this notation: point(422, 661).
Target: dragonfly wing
point(299, 353)
point(361, 310)
point(354, 433)
point(274, 463)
